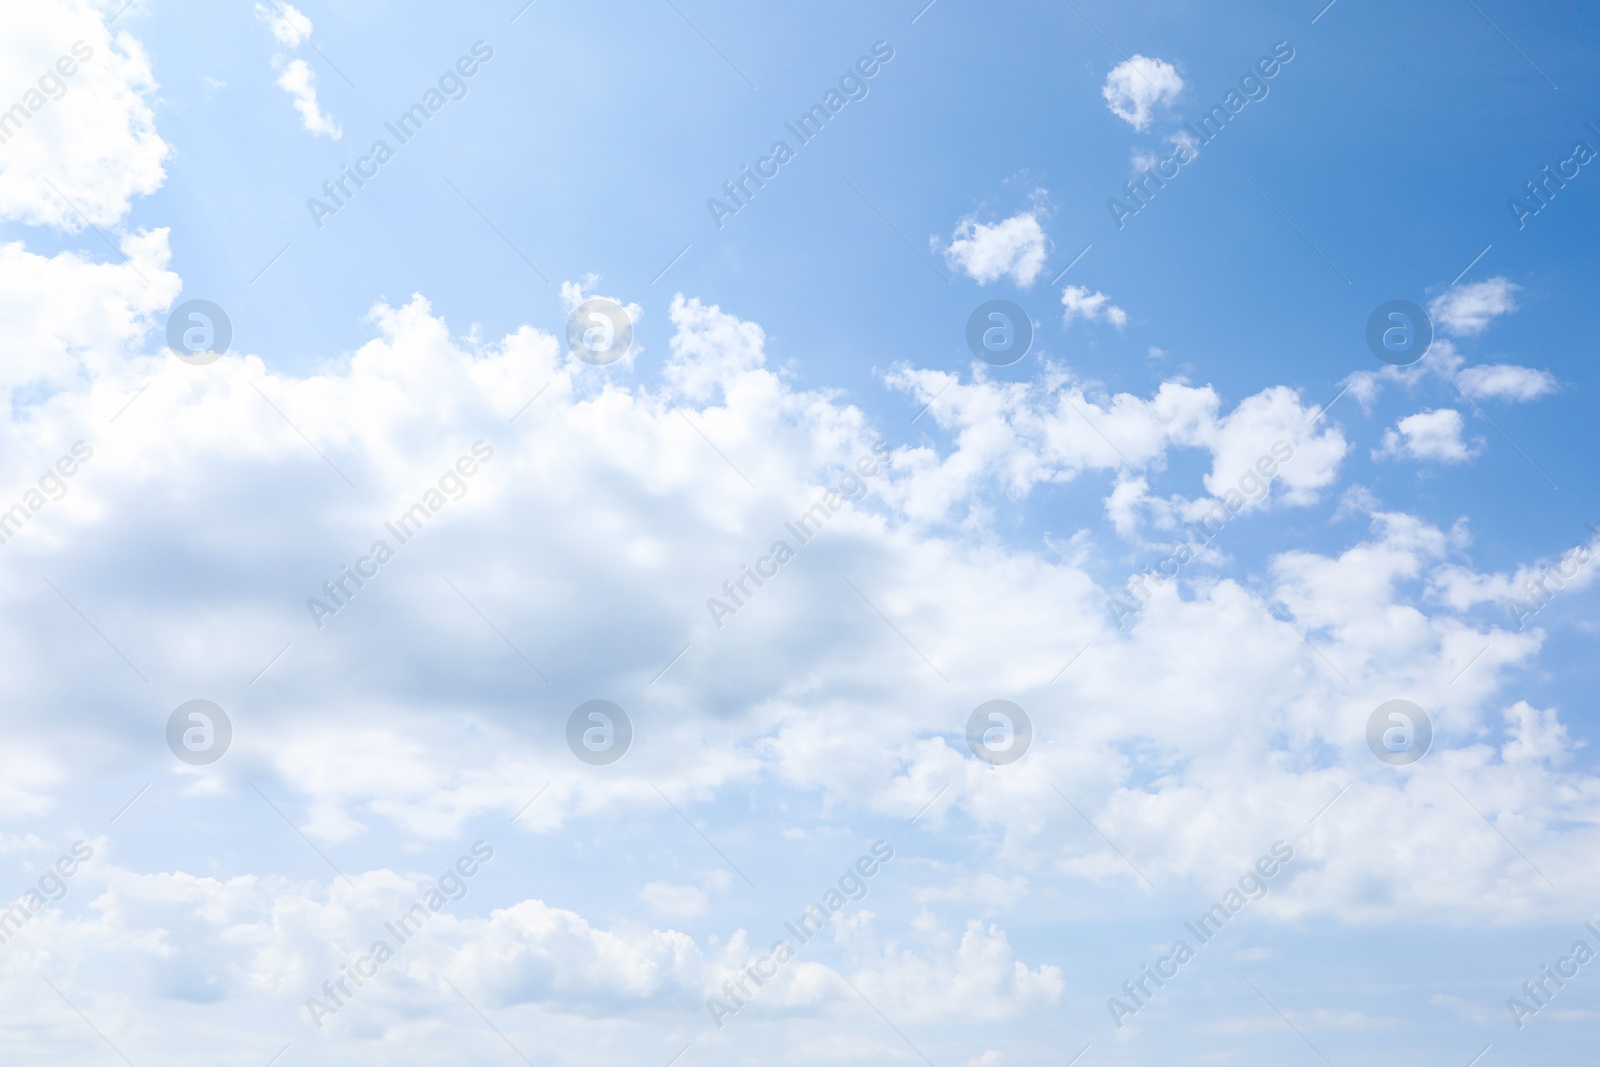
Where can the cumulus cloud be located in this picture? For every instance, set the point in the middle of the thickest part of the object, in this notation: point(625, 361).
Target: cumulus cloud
point(1428, 435)
point(1136, 86)
point(987, 252)
point(651, 481)
point(1467, 310)
point(1090, 307)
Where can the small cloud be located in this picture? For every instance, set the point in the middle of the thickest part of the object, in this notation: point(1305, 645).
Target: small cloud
point(1468, 309)
point(1357, 501)
point(986, 253)
point(289, 25)
point(675, 901)
point(299, 82)
point(1505, 381)
point(1136, 86)
point(1428, 435)
point(1091, 307)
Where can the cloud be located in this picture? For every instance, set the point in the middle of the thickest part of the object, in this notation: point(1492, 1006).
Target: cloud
point(291, 27)
point(288, 23)
point(1015, 247)
point(1505, 381)
point(299, 82)
point(86, 142)
point(1137, 85)
point(656, 518)
point(1428, 435)
point(1443, 363)
point(1090, 307)
point(1467, 310)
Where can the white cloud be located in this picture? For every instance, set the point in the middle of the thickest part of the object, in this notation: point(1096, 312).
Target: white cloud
point(1467, 310)
point(291, 27)
point(288, 23)
point(1137, 85)
point(1499, 381)
point(1015, 247)
point(1091, 307)
point(989, 616)
point(69, 320)
point(91, 135)
point(1012, 436)
point(1505, 381)
point(300, 83)
point(1428, 435)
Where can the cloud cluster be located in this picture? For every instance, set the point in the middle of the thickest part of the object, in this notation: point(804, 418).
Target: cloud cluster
point(292, 28)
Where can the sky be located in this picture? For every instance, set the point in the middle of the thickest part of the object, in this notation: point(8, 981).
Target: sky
point(685, 534)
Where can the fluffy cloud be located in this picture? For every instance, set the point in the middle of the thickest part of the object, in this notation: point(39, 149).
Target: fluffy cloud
point(300, 83)
point(1505, 381)
point(1467, 310)
point(1090, 307)
point(1135, 86)
point(288, 24)
point(1014, 247)
point(78, 148)
point(1428, 435)
point(1010, 437)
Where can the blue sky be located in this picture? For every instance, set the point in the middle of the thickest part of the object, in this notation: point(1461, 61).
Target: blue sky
point(1181, 730)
